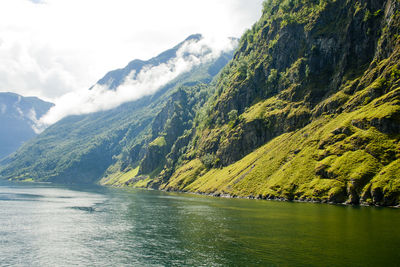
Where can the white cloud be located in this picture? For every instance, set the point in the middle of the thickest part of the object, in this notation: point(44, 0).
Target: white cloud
point(136, 85)
point(36, 125)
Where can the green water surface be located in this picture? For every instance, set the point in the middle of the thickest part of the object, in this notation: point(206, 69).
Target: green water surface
point(47, 225)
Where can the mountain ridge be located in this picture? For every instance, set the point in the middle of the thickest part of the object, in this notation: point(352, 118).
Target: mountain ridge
point(115, 78)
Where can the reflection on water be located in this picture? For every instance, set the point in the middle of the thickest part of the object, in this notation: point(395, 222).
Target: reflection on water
point(47, 225)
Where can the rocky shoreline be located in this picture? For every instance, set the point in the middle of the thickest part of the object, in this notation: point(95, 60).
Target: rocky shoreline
point(280, 199)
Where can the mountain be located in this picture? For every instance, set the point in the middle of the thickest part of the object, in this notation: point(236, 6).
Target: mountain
point(18, 116)
point(80, 149)
point(308, 110)
point(115, 78)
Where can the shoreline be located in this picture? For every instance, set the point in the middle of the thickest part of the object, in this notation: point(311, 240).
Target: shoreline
point(278, 199)
point(218, 195)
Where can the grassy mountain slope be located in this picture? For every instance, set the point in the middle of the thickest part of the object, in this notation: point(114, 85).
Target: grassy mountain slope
point(308, 109)
point(18, 116)
point(329, 160)
point(80, 149)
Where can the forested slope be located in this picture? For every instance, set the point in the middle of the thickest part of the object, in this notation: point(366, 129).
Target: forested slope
point(84, 148)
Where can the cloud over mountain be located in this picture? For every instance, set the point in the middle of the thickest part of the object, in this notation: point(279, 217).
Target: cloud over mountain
point(148, 80)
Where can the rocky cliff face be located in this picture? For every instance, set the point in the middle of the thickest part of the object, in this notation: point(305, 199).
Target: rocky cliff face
point(299, 62)
point(168, 125)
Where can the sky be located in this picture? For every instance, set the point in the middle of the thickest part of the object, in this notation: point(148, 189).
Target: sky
point(50, 48)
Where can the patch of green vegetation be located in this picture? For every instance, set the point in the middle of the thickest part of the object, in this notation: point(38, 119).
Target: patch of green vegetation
point(385, 187)
point(119, 178)
point(28, 180)
point(142, 183)
point(355, 166)
point(185, 175)
point(159, 142)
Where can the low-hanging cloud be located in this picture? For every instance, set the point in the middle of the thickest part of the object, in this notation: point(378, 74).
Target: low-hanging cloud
point(136, 85)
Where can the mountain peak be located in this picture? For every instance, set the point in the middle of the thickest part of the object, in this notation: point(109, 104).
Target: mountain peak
point(115, 78)
point(197, 37)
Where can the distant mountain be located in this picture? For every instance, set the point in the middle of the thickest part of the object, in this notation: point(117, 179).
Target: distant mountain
point(84, 148)
point(18, 116)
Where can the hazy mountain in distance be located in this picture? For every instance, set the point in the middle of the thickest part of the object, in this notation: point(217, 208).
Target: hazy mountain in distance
point(18, 116)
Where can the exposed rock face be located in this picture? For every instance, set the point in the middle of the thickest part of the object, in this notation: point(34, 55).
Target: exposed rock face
point(249, 135)
point(169, 126)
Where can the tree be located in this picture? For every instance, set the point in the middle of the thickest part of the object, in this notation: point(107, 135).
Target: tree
point(233, 115)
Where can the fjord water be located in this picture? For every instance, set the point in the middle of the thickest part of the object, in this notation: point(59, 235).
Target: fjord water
point(48, 225)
